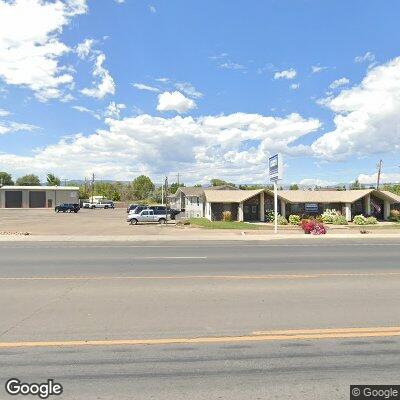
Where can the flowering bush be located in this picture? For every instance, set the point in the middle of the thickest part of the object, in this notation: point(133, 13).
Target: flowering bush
point(319, 229)
point(371, 221)
point(294, 219)
point(328, 216)
point(310, 226)
point(360, 220)
point(270, 216)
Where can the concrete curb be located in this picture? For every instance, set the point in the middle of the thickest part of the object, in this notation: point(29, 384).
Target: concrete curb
point(188, 238)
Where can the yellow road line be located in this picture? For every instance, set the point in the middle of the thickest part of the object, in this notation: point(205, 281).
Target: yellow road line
point(180, 277)
point(341, 333)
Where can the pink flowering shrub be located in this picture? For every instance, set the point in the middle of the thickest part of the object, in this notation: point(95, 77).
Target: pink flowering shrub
point(311, 226)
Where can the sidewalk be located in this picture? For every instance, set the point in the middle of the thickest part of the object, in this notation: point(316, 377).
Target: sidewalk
point(228, 236)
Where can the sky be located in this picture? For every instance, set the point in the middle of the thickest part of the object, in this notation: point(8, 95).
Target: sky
point(207, 89)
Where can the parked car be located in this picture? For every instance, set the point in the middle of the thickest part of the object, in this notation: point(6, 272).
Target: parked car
point(108, 202)
point(131, 207)
point(67, 208)
point(147, 215)
point(137, 209)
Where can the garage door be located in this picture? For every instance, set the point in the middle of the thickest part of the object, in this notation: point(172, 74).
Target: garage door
point(14, 199)
point(37, 199)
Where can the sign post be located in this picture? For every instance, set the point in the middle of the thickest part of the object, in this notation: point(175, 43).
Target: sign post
point(275, 174)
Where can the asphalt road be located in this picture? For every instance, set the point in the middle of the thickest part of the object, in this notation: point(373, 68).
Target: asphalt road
point(169, 302)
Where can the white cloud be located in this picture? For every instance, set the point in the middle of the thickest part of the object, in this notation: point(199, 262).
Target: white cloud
point(235, 145)
point(231, 65)
point(83, 49)
point(294, 86)
point(175, 101)
point(385, 178)
point(142, 86)
point(4, 113)
point(88, 111)
point(286, 74)
point(188, 89)
point(315, 69)
point(114, 110)
point(316, 182)
point(30, 47)
point(11, 126)
point(162, 80)
point(339, 82)
point(106, 83)
point(152, 9)
point(367, 57)
point(367, 116)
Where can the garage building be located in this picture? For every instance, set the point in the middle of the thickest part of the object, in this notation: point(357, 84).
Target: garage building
point(37, 196)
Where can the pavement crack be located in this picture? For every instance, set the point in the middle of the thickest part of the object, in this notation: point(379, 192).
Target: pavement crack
point(41, 308)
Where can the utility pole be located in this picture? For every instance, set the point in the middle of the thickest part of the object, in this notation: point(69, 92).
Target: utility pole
point(92, 187)
point(379, 166)
point(85, 187)
point(178, 179)
point(166, 195)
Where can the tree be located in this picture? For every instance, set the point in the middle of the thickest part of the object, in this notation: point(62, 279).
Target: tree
point(356, 185)
point(5, 179)
point(294, 186)
point(28, 180)
point(52, 180)
point(174, 187)
point(142, 187)
point(220, 182)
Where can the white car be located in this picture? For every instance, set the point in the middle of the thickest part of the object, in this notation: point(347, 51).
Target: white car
point(96, 205)
point(147, 216)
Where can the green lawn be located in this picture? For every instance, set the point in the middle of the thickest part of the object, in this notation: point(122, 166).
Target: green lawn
point(205, 223)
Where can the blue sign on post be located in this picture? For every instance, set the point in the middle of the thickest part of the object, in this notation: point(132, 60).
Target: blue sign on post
point(275, 168)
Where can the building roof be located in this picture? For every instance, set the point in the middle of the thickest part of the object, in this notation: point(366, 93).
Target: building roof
point(39, 188)
point(192, 191)
point(333, 196)
point(230, 196)
point(299, 196)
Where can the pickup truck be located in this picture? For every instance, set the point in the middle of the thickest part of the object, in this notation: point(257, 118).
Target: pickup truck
point(147, 216)
point(96, 205)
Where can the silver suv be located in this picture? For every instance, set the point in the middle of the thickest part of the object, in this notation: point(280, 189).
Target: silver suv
point(147, 215)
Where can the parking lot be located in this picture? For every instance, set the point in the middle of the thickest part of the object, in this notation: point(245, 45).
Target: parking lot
point(85, 222)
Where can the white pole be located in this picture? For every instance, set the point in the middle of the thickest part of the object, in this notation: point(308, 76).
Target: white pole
point(162, 194)
point(276, 206)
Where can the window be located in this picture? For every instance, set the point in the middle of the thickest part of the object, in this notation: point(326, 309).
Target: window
point(145, 213)
point(198, 201)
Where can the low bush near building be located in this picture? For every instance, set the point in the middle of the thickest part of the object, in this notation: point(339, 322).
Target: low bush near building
point(371, 221)
point(282, 220)
point(312, 227)
point(328, 216)
point(340, 220)
point(226, 216)
point(270, 216)
point(294, 219)
point(360, 220)
point(395, 215)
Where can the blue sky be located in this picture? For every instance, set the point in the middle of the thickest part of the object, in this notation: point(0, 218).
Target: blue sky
point(206, 89)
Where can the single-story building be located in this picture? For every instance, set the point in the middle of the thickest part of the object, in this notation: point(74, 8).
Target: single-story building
point(191, 200)
point(37, 196)
point(251, 205)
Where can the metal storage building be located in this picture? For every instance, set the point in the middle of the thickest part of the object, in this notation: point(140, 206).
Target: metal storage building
point(37, 196)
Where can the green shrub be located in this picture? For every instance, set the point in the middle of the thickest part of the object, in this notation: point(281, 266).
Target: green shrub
point(328, 216)
point(226, 216)
point(340, 220)
point(371, 221)
point(282, 220)
point(360, 220)
point(294, 219)
point(395, 215)
point(270, 216)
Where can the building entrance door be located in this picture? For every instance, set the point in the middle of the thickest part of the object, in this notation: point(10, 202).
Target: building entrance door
point(251, 212)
